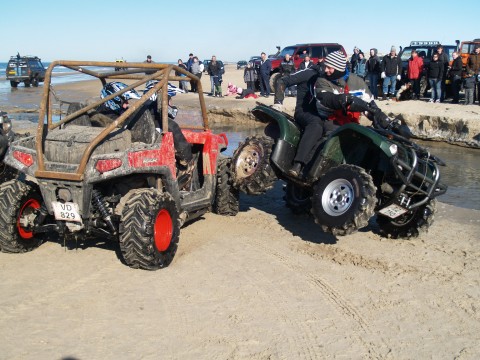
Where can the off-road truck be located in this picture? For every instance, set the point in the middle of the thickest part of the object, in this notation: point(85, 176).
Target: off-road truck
point(27, 69)
point(119, 181)
point(357, 172)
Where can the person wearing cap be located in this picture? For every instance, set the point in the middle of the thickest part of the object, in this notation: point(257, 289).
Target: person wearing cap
point(473, 64)
point(391, 72)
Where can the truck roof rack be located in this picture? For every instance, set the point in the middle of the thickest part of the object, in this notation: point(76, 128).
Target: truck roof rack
point(417, 43)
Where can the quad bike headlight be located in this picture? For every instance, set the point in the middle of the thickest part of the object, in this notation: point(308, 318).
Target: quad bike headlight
point(393, 149)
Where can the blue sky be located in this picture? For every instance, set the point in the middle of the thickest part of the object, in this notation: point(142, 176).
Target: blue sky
point(104, 30)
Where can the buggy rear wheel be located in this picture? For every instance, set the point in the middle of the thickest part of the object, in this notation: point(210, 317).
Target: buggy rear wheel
point(149, 229)
point(19, 204)
point(343, 200)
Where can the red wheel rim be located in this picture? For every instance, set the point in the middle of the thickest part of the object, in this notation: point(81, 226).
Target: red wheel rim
point(27, 207)
point(163, 230)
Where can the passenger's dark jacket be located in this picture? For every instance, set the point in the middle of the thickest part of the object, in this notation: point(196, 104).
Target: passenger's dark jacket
point(374, 64)
point(443, 58)
point(303, 67)
point(391, 65)
point(435, 70)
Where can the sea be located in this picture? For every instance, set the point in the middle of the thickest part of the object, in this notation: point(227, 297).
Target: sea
point(464, 187)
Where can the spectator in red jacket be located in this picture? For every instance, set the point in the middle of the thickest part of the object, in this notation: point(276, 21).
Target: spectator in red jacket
point(414, 72)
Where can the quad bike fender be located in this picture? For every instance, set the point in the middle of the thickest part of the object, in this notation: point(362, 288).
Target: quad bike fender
point(281, 126)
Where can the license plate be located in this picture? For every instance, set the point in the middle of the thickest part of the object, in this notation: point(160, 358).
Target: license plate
point(66, 211)
point(393, 211)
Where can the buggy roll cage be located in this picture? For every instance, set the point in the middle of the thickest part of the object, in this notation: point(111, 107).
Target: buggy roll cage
point(135, 71)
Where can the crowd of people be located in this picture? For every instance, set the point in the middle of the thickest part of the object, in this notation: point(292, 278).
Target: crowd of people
point(385, 76)
point(438, 72)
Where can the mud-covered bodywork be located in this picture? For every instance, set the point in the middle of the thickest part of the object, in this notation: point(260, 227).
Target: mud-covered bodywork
point(86, 176)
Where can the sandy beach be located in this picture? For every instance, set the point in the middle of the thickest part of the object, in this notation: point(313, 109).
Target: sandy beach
point(265, 284)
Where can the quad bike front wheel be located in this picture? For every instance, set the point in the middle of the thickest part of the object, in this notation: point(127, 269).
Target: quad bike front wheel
point(410, 224)
point(19, 204)
point(226, 196)
point(343, 200)
point(149, 229)
point(252, 172)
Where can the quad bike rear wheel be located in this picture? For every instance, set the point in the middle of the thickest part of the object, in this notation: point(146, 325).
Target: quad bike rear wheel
point(253, 174)
point(226, 196)
point(409, 225)
point(298, 198)
point(149, 229)
point(20, 203)
point(343, 200)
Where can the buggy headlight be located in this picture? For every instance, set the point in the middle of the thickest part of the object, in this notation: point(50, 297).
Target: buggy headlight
point(393, 149)
point(6, 123)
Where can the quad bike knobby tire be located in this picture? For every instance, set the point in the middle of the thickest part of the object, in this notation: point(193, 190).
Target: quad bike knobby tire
point(226, 196)
point(19, 203)
point(298, 198)
point(343, 200)
point(252, 172)
point(149, 229)
point(410, 224)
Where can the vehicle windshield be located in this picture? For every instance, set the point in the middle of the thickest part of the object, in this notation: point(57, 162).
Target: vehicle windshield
point(288, 50)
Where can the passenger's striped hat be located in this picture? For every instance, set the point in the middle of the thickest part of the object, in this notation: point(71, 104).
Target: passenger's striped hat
point(336, 60)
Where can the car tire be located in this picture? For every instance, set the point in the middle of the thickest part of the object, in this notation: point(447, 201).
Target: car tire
point(344, 200)
point(19, 201)
point(13, 84)
point(149, 229)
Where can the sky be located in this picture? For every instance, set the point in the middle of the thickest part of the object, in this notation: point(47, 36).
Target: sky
point(103, 30)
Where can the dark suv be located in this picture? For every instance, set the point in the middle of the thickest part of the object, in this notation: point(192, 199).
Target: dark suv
point(425, 49)
point(27, 69)
point(317, 52)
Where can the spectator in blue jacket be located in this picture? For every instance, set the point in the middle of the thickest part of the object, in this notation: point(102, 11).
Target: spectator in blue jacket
point(264, 75)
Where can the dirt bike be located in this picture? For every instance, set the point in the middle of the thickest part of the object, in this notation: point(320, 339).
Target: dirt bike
point(357, 172)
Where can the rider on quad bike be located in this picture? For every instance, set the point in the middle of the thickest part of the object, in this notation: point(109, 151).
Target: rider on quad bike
point(328, 96)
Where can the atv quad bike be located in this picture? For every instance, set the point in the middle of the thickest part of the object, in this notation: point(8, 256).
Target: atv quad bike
point(355, 173)
point(118, 181)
